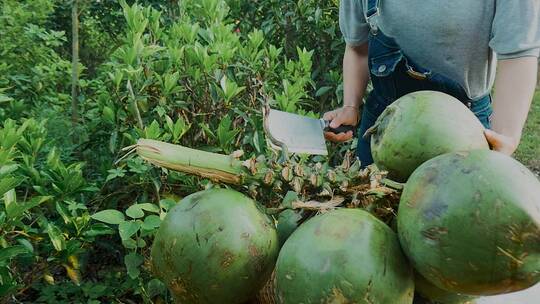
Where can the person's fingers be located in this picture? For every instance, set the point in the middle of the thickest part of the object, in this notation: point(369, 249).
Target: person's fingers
point(331, 136)
point(329, 115)
point(501, 143)
point(345, 136)
point(337, 121)
point(341, 137)
point(348, 135)
point(493, 138)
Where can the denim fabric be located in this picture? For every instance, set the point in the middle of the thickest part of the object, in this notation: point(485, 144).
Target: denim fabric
point(394, 75)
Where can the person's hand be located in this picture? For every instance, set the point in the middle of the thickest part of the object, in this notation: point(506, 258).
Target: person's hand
point(501, 143)
point(338, 117)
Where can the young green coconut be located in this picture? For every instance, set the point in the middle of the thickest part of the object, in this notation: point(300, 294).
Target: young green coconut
point(343, 256)
point(470, 223)
point(431, 294)
point(215, 246)
point(420, 126)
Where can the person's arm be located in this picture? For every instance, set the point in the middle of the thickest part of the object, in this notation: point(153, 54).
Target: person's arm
point(514, 89)
point(355, 80)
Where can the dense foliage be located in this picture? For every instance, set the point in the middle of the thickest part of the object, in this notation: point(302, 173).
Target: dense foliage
point(77, 221)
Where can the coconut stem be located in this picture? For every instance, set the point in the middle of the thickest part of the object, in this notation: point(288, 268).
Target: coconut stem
point(214, 166)
point(265, 177)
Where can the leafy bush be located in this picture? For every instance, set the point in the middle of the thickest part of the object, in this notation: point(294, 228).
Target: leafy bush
point(45, 221)
point(32, 73)
point(196, 81)
point(306, 24)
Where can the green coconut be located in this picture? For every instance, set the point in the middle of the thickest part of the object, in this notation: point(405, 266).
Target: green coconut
point(435, 295)
point(470, 223)
point(343, 256)
point(420, 126)
point(216, 246)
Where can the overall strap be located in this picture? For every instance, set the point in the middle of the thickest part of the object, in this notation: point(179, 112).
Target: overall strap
point(372, 10)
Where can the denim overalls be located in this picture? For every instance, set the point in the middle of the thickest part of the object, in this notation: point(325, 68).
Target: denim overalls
point(393, 75)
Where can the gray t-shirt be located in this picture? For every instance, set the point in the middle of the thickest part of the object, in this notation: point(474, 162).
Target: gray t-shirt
point(461, 39)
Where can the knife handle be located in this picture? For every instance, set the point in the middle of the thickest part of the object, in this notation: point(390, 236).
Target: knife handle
point(340, 129)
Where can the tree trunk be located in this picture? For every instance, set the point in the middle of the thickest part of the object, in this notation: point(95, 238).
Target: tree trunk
point(75, 62)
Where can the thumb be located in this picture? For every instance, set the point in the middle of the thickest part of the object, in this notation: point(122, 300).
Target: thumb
point(492, 137)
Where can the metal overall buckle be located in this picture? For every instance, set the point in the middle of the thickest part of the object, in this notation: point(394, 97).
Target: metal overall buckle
point(416, 75)
point(374, 29)
point(369, 15)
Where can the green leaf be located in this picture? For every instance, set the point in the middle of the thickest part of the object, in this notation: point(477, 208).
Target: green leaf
point(133, 261)
point(108, 115)
point(151, 222)
point(34, 202)
point(169, 122)
point(114, 173)
point(5, 98)
point(136, 165)
point(289, 198)
point(230, 88)
point(113, 141)
point(57, 238)
point(207, 130)
point(150, 207)
point(74, 206)
point(127, 229)
point(53, 159)
point(98, 229)
point(116, 77)
point(8, 284)
point(8, 183)
point(26, 244)
point(153, 131)
point(141, 243)
point(169, 83)
point(155, 287)
point(7, 169)
point(160, 110)
point(96, 291)
point(109, 216)
point(322, 91)
point(135, 211)
point(177, 129)
point(11, 252)
point(225, 134)
point(167, 203)
point(63, 213)
point(14, 210)
point(10, 202)
point(129, 244)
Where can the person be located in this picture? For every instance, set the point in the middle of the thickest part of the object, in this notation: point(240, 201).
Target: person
point(462, 48)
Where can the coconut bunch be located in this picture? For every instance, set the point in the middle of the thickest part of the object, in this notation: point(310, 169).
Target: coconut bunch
point(468, 222)
point(268, 179)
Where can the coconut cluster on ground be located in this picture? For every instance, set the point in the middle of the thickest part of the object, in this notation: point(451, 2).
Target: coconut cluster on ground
point(466, 223)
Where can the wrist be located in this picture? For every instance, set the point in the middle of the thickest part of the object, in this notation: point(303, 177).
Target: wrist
point(354, 107)
point(513, 135)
